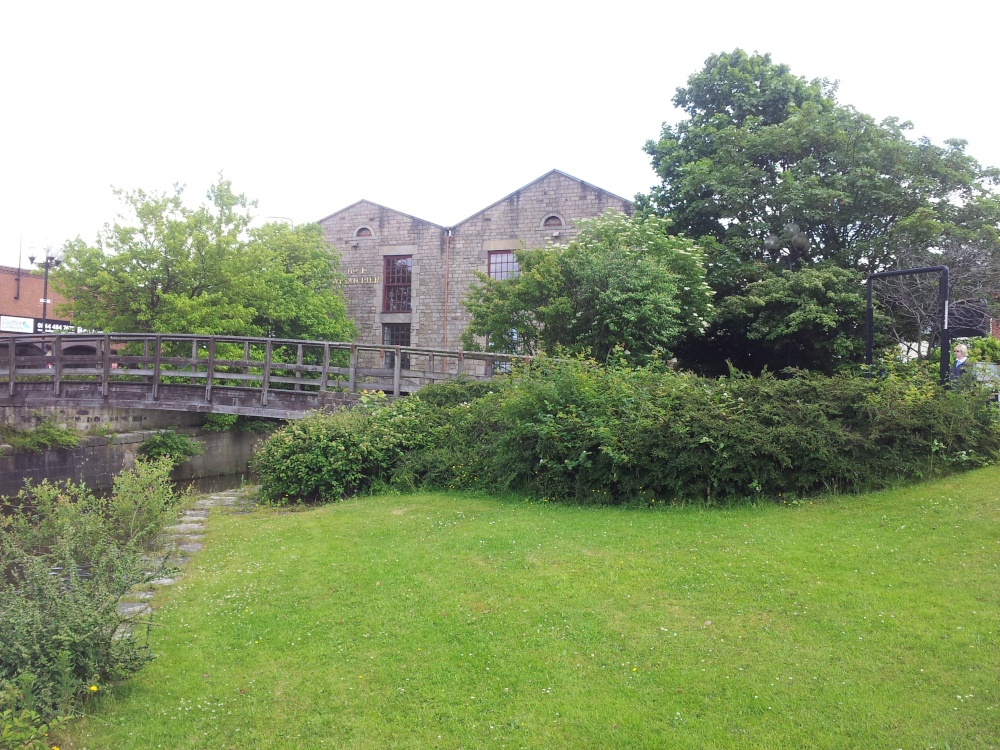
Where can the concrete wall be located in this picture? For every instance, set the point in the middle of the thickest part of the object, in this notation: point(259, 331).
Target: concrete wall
point(97, 460)
point(102, 418)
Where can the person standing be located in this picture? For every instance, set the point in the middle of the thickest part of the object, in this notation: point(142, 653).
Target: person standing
point(961, 357)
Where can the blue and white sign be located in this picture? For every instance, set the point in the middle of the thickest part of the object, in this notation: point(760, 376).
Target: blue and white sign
point(11, 324)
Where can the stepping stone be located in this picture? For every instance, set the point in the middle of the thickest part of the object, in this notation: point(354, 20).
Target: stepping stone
point(190, 547)
point(133, 609)
point(163, 582)
point(183, 528)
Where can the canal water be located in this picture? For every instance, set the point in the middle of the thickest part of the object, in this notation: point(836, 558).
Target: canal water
point(205, 485)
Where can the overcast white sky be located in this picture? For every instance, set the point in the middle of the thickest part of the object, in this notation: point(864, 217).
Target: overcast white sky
point(436, 109)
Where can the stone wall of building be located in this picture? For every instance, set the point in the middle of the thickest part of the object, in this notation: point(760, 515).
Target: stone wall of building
point(445, 259)
point(362, 261)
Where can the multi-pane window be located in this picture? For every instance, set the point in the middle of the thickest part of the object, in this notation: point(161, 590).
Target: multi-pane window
point(396, 334)
point(397, 280)
point(512, 345)
point(503, 265)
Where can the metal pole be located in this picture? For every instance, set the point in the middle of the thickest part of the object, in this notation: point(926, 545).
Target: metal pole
point(869, 324)
point(45, 294)
point(945, 333)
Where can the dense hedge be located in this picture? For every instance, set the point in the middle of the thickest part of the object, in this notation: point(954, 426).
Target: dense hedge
point(330, 455)
point(588, 433)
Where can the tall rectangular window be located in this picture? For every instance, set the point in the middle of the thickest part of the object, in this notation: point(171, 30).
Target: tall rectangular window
point(503, 265)
point(396, 334)
point(397, 279)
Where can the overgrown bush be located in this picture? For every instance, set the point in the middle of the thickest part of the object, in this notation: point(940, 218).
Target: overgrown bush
point(21, 726)
point(67, 558)
point(580, 431)
point(237, 423)
point(330, 455)
point(168, 443)
point(459, 391)
point(44, 436)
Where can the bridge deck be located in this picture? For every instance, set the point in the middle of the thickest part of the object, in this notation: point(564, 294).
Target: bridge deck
point(221, 374)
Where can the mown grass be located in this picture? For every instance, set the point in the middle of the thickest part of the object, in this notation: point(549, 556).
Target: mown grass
point(450, 621)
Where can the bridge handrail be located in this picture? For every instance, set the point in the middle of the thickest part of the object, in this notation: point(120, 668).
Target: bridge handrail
point(51, 357)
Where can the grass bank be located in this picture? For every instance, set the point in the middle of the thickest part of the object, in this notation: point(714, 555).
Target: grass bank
point(450, 621)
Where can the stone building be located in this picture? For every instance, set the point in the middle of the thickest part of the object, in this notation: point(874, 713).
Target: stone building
point(406, 277)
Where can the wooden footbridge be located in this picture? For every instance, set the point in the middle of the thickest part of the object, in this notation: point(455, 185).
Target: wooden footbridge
point(259, 377)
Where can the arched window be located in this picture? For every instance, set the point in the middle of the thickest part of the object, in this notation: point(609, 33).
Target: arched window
point(363, 232)
point(552, 220)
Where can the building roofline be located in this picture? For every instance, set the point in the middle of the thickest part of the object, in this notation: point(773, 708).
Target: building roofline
point(482, 210)
point(379, 205)
point(14, 271)
point(539, 179)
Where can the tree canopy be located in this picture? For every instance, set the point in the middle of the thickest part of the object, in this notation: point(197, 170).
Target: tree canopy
point(762, 149)
point(620, 283)
point(164, 267)
point(770, 173)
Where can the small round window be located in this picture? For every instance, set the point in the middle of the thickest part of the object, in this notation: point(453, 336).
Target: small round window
point(552, 221)
point(363, 232)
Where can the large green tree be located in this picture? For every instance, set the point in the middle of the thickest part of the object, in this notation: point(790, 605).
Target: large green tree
point(620, 283)
point(164, 267)
point(810, 319)
point(762, 149)
point(770, 173)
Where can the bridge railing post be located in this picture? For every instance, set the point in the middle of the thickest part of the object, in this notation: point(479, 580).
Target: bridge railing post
point(396, 367)
point(353, 373)
point(266, 382)
point(57, 369)
point(210, 374)
point(106, 366)
point(157, 357)
point(325, 377)
point(12, 360)
point(298, 368)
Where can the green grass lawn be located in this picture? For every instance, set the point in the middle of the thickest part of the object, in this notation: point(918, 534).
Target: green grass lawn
point(449, 621)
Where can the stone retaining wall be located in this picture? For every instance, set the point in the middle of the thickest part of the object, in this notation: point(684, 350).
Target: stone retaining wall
point(97, 460)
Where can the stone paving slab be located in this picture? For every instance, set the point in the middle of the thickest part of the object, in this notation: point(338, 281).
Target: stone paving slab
point(133, 609)
point(183, 528)
point(186, 536)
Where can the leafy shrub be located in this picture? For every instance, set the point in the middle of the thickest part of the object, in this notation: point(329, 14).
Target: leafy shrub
point(66, 560)
point(579, 431)
point(228, 422)
point(220, 422)
point(459, 391)
point(168, 443)
point(45, 435)
point(330, 455)
point(576, 430)
point(21, 726)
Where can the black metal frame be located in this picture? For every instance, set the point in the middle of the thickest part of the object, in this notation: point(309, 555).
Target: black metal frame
point(943, 298)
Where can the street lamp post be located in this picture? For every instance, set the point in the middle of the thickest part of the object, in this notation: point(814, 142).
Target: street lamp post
point(52, 259)
point(792, 239)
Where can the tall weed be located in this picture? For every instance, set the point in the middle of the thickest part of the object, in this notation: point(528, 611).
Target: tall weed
point(67, 558)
